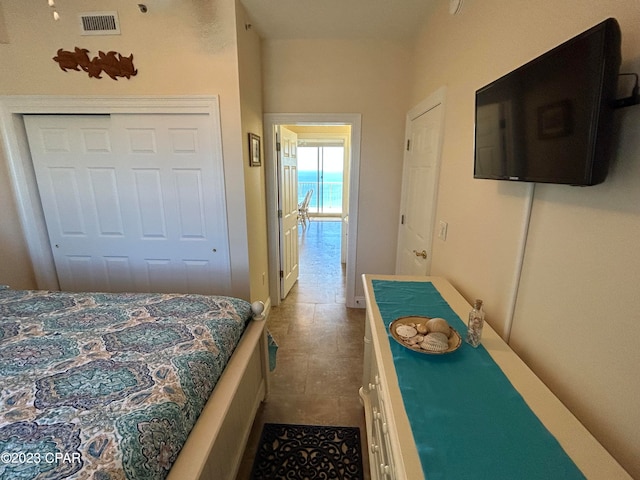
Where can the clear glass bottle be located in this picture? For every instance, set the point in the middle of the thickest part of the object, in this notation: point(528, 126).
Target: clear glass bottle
point(476, 322)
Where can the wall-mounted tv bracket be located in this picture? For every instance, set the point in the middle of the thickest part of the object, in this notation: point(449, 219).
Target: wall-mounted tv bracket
point(634, 99)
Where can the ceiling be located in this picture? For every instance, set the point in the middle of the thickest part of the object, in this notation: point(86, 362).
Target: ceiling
point(308, 19)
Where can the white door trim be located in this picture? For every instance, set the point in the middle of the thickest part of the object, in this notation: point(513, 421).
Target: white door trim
point(270, 121)
point(18, 156)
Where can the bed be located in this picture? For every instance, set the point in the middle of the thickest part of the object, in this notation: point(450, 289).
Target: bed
point(113, 386)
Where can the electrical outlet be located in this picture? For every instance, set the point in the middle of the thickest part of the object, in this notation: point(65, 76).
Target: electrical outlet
point(442, 231)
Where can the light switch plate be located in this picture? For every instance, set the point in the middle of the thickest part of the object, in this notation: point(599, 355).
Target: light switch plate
point(442, 231)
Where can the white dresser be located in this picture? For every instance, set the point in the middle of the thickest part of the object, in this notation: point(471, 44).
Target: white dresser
point(392, 450)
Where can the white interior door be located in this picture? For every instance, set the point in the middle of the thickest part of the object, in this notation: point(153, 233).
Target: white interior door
point(133, 202)
point(288, 208)
point(420, 180)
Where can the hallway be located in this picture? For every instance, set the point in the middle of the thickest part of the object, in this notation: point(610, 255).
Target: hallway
point(319, 360)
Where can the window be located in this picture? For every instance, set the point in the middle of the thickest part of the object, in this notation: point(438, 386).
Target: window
point(321, 168)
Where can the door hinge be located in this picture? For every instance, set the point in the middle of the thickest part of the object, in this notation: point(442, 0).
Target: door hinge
point(277, 146)
point(279, 213)
point(281, 274)
point(402, 219)
point(408, 144)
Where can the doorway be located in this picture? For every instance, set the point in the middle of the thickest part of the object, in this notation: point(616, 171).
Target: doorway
point(310, 129)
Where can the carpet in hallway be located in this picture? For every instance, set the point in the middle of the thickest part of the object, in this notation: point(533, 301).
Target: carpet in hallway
point(297, 452)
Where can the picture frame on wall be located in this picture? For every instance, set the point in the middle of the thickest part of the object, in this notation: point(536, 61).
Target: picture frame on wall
point(255, 158)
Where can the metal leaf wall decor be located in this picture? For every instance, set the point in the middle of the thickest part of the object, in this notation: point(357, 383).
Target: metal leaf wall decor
point(111, 63)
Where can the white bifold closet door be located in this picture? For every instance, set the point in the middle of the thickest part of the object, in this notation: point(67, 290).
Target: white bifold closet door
point(133, 203)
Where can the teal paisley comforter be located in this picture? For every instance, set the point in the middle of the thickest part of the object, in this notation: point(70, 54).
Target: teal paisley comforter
point(107, 386)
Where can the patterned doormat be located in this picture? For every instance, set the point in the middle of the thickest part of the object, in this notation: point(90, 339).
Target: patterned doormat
point(301, 452)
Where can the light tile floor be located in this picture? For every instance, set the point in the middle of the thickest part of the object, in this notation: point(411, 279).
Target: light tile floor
point(319, 360)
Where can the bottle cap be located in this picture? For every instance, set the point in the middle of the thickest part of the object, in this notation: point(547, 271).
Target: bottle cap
point(478, 303)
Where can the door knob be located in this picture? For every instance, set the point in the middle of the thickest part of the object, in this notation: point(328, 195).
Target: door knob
point(422, 254)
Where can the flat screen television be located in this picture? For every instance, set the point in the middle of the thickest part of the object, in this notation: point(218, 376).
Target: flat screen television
point(550, 120)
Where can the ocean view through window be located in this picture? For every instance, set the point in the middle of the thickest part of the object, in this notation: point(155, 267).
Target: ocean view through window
point(321, 168)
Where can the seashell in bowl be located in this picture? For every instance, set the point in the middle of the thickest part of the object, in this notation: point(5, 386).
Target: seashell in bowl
point(406, 331)
point(439, 325)
point(435, 342)
point(422, 328)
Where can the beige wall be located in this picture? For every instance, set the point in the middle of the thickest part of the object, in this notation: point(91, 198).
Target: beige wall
point(575, 322)
point(185, 49)
point(250, 66)
point(4, 36)
point(359, 76)
point(15, 267)
point(323, 129)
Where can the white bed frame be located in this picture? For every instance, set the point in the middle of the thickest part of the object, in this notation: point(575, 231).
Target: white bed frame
point(216, 444)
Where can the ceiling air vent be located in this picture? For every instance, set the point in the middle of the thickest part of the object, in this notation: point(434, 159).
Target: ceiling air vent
point(99, 23)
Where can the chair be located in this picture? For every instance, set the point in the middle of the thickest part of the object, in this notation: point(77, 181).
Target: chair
point(303, 209)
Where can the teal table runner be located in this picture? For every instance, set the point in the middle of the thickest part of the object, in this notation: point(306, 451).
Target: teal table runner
point(468, 421)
